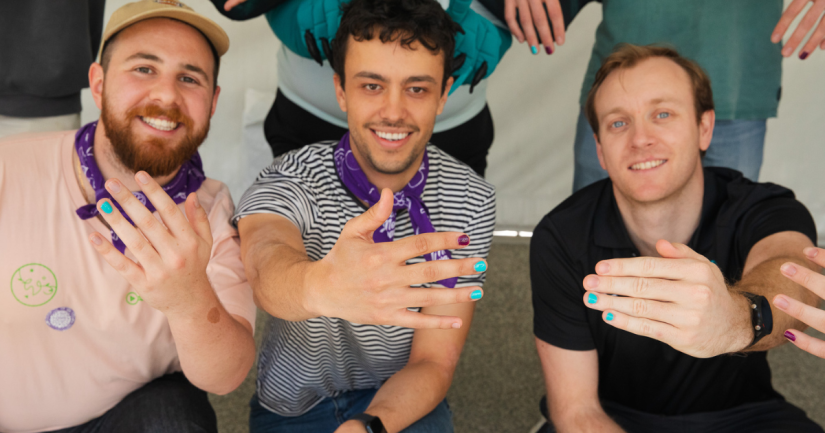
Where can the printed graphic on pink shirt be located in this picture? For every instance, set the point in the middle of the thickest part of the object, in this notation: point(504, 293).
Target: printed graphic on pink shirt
point(33, 284)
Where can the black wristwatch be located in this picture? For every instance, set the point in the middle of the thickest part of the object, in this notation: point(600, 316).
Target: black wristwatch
point(372, 423)
point(761, 316)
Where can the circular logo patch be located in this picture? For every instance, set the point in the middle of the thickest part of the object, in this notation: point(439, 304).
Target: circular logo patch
point(133, 298)
point(33, 284)
point(60, 319)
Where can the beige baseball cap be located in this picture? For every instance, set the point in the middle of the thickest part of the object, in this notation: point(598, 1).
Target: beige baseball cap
point(146, 9)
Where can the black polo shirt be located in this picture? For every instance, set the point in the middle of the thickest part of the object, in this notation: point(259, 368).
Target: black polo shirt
point(639, 372)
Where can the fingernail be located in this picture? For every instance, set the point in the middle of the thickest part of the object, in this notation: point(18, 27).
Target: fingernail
point(480, 267)
point(475, 295)
point(97, 239)
point(106, 207)
point(804, 55)
point(811, 252)
point(464, 240)
point(456, 325)
point(603, 267)
point(788, 269)
point(592, 281)
point(592, 298)
point(143, 178)
point(781, 303)
point(196, 202)
point(114, 186)
point(548, 50)
point(534, 50)
point(789, 335)
point(609, 317)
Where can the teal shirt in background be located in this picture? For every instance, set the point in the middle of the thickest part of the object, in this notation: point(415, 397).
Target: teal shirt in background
point(730, 39)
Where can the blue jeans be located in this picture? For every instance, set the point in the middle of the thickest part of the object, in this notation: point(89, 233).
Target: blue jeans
point(330, 413)
point(736, 144)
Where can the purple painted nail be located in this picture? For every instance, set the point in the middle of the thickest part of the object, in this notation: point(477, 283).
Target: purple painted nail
point(548, 50)
point(804, 55)
point(789, 335)
point(464, 240)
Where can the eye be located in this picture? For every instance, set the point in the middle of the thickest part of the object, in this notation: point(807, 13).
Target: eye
point(417, 90)
point(143, 70)
point(372, 87)
point(663, 115)
point(189, 80)
point(617, 124)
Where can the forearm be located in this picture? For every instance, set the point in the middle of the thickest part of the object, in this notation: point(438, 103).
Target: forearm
point(411, 394)
point(277, 274)
point(215, 350)
point(583, 420)
point(765, 280)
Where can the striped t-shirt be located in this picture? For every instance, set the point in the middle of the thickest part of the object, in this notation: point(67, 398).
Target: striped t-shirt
point(301, 363)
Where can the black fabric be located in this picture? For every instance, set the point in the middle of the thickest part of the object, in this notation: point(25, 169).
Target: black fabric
point(637, 372)
point(247, 10)
point(288, 127)
point(44, 62)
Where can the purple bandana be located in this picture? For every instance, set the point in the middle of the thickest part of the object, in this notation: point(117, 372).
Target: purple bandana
point(408, 198)
point(188, 180)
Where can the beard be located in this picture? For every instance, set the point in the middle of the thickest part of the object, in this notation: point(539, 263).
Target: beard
point(156, 156)
point(389, 166)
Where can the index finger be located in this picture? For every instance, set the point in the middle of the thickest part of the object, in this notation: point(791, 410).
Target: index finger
point(557, 18)
point(510, 17)
point(418, 245)
point(542, 24)
point(168, 210)
point(651, 267)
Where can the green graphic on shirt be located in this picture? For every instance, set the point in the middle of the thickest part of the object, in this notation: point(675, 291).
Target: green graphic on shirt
point(33, 284)
point(133, 298)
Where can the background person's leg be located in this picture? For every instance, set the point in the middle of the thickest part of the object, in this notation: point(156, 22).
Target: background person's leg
point(18, 125)
point(586, 169)
point(440, 420)
point(737, 144)
point(288, 127)
point(320, 419)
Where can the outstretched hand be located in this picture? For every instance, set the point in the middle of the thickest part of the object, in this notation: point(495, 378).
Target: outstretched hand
point(813, 317)
point(805, 25)
point(366, 282)
point(528, 20)
point(172, 256)
point(680, 299)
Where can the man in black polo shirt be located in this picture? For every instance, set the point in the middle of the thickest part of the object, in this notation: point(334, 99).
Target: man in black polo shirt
point(680, 345)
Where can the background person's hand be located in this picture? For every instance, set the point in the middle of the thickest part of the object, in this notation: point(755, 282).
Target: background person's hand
point(810, 19)
point(231, 4)
point(172, 256)
point(479, 48)
point(814, 317)
point(525, 17)
point(366, 282)
point(680, 299)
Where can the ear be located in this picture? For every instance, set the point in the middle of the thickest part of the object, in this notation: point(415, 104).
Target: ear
point(599, 152)
point(96, 84)
point(706, 129)
point(340, 95)
point(215, 100)
point(444, 94)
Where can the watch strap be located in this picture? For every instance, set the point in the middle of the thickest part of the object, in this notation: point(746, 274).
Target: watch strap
point(372, 423)
point(761, 316)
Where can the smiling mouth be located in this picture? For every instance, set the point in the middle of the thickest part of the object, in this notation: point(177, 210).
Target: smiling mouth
point(392, 136)
point(647, 165)
point(159, 124)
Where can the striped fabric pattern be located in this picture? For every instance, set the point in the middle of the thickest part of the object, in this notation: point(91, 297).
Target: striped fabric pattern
point(301, 363)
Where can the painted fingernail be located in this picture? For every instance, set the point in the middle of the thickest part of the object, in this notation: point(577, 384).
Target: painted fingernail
point(548, 50)
point(592, 298)
point(534, 50)
point(609, 317)
point(788, 269)
point(114, 186)
point(811, 252)
point(106, 207)
point(475, 295)
point(603, 267)
point(789, 335)
point(592, 281)
point(97, 239)
point(456, 325)
point(480, 267)
point(781, 303)
point(142, 177)
point(464, 240)
point(803, 55)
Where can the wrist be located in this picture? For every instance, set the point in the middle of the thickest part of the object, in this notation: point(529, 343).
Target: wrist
point(200, 298)
point(742, 334)
point(312, 285)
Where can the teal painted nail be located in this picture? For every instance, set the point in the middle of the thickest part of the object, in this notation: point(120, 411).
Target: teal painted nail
point(609, 317)
point(534, 50)
point(475, 295)
point(592, 299)
point(480, 267)
point(106, 207)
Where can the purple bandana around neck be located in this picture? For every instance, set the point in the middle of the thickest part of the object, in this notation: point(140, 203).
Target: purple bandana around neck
point(188, 180)
point(408, 198)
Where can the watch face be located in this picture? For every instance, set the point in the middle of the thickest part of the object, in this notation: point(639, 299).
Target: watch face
point(376, 426)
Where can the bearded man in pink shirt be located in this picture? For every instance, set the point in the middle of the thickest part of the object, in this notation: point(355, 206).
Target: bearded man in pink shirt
point(124, 270)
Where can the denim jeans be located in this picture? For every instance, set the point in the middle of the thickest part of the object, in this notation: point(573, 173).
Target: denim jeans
point(330, 413)
point(736, 144)
point(168, 404)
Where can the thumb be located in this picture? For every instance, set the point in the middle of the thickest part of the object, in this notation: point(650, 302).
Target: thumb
point(675, 250)
point(363, 225)
point(458, 9)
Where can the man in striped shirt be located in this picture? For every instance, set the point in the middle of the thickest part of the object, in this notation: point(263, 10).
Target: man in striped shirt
point(339, 354)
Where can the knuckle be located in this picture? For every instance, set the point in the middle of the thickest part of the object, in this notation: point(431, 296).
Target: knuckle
point(645, 328)
point(148, 222)
point(140, 245)
point(430, 272)
point(640, 307)
point(177, 262)
point(641, 286)
point(374, 260)
point(648, 265)
point(702, 295)
point(421, 245)
point(169, 208)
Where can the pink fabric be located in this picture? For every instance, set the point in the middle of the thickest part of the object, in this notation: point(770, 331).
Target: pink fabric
point(53, 376)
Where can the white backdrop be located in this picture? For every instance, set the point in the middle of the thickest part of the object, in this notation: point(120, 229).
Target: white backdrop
point(534, 100)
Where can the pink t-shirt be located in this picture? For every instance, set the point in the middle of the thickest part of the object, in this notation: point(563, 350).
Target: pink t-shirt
point(75, 337)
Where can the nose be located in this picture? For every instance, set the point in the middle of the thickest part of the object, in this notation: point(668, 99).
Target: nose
point(641, 134)
point(394, 108)
point(165, 92)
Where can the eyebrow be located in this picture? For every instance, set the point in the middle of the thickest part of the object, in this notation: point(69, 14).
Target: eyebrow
point(381, 78)
point(652, 101)
point(189, 67)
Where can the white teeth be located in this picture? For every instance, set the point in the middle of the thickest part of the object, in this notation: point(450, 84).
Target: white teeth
point(160, 124)
point(647, 165)
point(392, 136)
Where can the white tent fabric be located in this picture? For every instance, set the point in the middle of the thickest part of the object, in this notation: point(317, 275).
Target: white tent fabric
point(534, 100)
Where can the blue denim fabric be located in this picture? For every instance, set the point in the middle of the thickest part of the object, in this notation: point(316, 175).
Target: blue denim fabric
point(736, 144)
point(330, 413)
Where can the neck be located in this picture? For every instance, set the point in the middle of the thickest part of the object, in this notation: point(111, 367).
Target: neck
point(674, 218)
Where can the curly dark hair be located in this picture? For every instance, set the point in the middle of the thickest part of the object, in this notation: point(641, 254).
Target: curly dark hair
point(405, 21)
